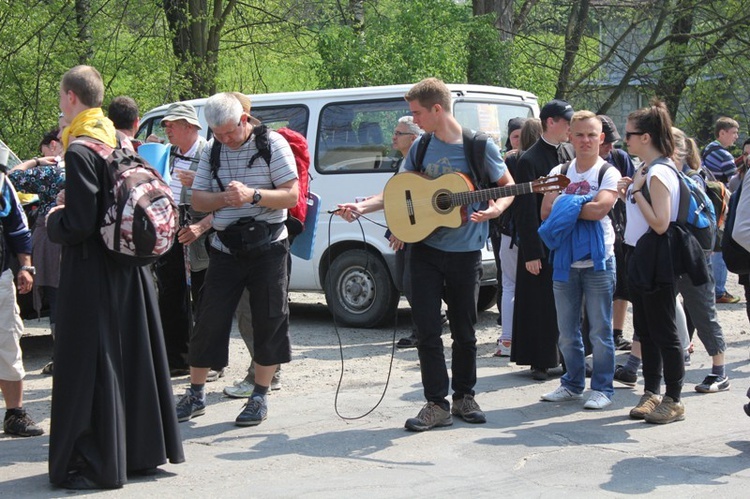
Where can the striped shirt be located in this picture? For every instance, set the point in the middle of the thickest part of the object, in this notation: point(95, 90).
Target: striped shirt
point(234, 166)
point(720, 161)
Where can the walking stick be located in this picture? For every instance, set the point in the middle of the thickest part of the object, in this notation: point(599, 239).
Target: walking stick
point(185, 220)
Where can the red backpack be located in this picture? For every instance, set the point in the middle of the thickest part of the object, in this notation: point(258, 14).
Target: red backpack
point(295, 221)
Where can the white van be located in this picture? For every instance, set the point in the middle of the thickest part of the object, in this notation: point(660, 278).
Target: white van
point(349, 133)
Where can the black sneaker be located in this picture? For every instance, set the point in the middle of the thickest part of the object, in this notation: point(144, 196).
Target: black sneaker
point(622, 344)
point(20, 424)
point(624, 376)
point(712, 384)
point(467, 409)
point(254, 413)
point(190, 406)
point(539, 374)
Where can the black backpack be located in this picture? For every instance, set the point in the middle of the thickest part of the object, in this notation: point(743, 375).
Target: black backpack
point(475, 145)
point(735, 255)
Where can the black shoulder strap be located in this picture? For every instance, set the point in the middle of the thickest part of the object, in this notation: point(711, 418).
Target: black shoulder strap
point(685, 194)
point(565, 166)
point(424, 141)
point(475, 149)
point(215, 162)
point(261, 143)
point(606, 166)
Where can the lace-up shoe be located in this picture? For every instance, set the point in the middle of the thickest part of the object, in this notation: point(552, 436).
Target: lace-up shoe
point(561, 394)
point(649, 401)
point(190, 406)
point(467, 409)
point(254, 412)
point(668, 411)
point(712, 384)
point(20, 424)
point(597, 400)
point(429, 417)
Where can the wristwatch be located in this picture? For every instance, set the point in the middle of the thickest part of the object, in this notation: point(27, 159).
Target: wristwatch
point(256, 197)
point(28, 268)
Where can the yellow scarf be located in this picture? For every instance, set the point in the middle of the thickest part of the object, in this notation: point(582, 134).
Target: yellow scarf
point(91, 123)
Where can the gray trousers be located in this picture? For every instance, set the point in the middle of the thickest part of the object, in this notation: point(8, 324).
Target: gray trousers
point(700, 303)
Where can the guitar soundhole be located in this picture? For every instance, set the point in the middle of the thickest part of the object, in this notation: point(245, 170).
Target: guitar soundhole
point(442, 201)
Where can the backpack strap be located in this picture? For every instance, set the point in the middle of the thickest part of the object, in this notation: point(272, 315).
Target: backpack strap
point(684, 205)
point(424, 141)
point(215, 162)
point(262, 144)
point(475, 147)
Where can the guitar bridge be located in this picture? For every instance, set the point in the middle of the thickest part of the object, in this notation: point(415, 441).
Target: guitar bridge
point(410, 207)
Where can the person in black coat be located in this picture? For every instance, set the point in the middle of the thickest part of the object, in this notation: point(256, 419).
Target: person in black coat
point(534, 320)
point(113, 413)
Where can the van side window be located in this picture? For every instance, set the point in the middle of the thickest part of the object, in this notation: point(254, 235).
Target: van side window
point(152, 126)
point(490, 117)
point(356, 137)
point(294, 117)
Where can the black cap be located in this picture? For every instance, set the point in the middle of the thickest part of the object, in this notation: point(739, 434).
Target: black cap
point(609, 129)
point(513, 125)
point(555, 108)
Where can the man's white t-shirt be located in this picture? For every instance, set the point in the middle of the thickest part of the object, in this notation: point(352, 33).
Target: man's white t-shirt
point(587, 182)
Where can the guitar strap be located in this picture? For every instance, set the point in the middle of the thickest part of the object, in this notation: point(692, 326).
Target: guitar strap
point(475, 146)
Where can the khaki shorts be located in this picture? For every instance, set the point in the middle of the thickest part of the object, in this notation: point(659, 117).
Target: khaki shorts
point(11, 329)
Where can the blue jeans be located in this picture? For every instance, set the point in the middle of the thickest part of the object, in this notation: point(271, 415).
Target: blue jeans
point(720, 273)
point(594, 290)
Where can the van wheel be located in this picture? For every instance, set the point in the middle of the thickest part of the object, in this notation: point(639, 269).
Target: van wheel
point(359, 290)
point(487, 298)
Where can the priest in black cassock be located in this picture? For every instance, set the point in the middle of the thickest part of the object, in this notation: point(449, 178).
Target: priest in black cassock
point(113, 413)
point(534, 318)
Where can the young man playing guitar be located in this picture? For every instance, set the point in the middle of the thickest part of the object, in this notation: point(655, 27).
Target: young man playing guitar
point(450, 258)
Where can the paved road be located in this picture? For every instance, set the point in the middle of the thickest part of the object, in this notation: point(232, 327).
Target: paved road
point(527, 448)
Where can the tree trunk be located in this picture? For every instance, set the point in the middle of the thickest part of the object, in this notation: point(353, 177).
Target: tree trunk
point(503, 10)
point(196, 34)
point(83, 12)
point(579, 13)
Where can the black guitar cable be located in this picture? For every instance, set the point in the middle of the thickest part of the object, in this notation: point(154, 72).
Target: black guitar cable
point(338, 335)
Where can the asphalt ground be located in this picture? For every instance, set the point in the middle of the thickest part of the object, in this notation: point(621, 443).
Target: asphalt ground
point(527, 448)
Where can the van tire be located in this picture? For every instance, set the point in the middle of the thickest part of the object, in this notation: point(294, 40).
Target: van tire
point(487, 298)
point(359, 290)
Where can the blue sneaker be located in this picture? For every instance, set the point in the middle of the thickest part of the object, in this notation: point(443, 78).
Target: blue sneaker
point(190, 406)
point(254, 412)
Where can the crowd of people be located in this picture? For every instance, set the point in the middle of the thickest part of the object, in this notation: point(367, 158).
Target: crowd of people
point(580, 254)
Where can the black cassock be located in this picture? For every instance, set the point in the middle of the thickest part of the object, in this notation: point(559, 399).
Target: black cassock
point(534, 317)
point(112, 404)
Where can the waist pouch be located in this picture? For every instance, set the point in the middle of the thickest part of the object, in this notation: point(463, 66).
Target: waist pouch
point(248, 237)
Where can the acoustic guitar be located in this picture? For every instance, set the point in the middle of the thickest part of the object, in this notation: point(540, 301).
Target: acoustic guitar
point(416, 205)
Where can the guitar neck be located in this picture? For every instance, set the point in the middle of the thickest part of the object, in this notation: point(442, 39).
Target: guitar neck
point(478, 196)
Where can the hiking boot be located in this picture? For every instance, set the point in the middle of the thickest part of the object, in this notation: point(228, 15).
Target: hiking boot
point(624, 376)
point(597, 400)
point(430, 416)
point(190, 406)
point(668, 411)
point(467, 409)
point(645, 406)
point(622, 344)
point(254, 412)
point(561, 394)
point(239, 390)
point(713, 383)
point(20, 424)
point(727, 298)
point(214, 375)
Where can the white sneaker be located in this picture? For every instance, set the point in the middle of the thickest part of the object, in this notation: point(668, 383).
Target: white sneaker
point(503, 349)
point(562, 394)
point(597, 400)
point(239, 390)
